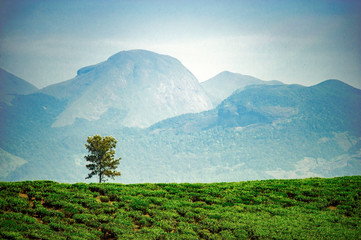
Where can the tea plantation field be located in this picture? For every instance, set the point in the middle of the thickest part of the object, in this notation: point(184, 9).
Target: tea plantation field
point(314, 208)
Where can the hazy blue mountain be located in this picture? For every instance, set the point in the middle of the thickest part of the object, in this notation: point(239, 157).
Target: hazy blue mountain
point(8, 163)
point(259, 131)
point(283, 131)
point(131, 88)
point(329, 100)
point(10, 85)
point(136, 88)
point(225, 83)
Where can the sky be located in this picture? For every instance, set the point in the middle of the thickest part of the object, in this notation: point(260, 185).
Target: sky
point(303, 42)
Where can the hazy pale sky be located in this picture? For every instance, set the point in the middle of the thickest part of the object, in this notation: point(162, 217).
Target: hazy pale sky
point(305, 42)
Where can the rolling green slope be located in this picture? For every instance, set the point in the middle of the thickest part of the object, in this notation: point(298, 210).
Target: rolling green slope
point(312, 208)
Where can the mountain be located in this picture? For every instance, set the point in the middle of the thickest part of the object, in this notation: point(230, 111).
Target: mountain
point(133, 88)
point(258, 132)
point(283, 131)
point(8, 163)
point(225, 83)
point(10, 85)
point(331, 99)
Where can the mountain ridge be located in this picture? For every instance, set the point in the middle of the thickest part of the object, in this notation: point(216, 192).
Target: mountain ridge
point(11, 85)
point(225, 83)
point(259, 132)
point(133, 82)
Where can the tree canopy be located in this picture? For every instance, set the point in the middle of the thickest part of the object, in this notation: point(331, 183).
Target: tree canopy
point(101, 157)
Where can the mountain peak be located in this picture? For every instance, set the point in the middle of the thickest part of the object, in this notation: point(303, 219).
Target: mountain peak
point(231, 74)
point(135, 52)
point(225, 83)
point(336, 86)
point(332, 83)
point(11, 85)
point(140, 56)
point(143, 86)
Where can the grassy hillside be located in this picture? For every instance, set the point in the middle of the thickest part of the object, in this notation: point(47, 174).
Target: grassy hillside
point(272, 209)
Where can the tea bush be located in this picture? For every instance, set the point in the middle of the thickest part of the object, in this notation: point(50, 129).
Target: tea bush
point(312, 208)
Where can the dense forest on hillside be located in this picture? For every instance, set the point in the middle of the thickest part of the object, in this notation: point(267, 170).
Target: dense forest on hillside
point(314, 208)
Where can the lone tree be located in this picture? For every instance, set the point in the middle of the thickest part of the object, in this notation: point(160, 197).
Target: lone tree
point(101, 157)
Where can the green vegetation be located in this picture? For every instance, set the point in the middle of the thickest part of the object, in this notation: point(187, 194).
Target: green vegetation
point(313, 208)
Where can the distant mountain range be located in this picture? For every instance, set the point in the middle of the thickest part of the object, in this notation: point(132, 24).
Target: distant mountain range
point(283, 131)
point(171, 128)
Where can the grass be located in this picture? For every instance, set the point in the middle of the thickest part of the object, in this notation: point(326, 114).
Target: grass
point(312, 208)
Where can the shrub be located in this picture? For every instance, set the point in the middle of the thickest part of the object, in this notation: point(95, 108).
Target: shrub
point(103, 218)
point(139, 204)
point(56, 226)
point(124, 225)
point(346, 210)
point(16, 204)
point(88, 219)
point(70, 210)
point(11, 235)
point(104, 198)
point(109, 210)
point(227, 234)
point(166, 225)
point(3, 204)
point(184, 228)
point(80, 186)
point(151, 233)
point(272, 209)
point(113, 197)
point(96, 188)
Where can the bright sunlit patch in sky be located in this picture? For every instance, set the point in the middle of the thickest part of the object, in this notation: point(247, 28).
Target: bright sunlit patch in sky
point(303, 42)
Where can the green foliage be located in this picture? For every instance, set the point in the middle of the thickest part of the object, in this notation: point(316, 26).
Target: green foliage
point(272, 209)
point(101, 157)
point(104, 198)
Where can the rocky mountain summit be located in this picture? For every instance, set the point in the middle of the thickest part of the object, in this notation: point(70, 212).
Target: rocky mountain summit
point(134, 88)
